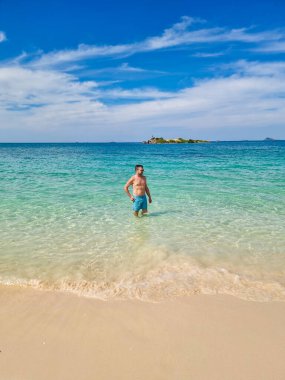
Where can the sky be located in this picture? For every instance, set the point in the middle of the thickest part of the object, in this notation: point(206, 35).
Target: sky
point(90, 71)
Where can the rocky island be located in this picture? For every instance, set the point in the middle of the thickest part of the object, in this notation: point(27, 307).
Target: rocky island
point(179, 140)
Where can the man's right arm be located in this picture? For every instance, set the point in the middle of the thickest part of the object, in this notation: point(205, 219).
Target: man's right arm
point(126, 188)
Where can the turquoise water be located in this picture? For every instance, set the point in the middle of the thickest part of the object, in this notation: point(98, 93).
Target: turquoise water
point(216, 224)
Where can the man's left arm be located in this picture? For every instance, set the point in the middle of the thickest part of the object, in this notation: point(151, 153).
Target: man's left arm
point(148, 193)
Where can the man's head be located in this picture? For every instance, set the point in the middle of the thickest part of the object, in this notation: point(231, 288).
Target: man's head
point(139, 169)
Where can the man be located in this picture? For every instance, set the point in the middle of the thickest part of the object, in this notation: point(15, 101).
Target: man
point(138, 181)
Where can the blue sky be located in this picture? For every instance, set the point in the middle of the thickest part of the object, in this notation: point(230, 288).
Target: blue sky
point(123, 71)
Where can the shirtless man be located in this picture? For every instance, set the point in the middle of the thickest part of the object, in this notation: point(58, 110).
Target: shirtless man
point(138, 181)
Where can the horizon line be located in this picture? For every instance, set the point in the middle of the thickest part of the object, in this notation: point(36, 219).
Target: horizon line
point(125, 142)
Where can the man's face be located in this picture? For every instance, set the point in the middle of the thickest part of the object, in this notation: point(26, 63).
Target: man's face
point(140, 171)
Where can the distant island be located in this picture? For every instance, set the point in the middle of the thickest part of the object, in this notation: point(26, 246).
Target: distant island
point(179, 140)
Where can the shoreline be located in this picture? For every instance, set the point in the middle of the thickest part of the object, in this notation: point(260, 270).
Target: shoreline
point(170, 281)
point(51, 335)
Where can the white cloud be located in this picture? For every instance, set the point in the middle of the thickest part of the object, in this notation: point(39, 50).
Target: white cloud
point(255, 68)
point(176, 36)
point(2, 37)
point(123, 68)
point(26, 88)
point(45, 93)
point(223, 102)
point(273, 47)
point(254, 96)
point(82, 52)
point(209, 55)
point(244, 35)
point(170, 37)
point(22, 87)
point(136, 93)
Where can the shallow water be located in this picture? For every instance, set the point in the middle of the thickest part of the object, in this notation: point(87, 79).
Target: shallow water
point(216, 224)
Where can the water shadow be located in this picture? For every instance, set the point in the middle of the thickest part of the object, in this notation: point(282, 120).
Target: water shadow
point(159, 213)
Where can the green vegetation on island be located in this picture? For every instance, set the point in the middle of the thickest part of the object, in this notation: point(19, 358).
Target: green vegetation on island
point(179, 140)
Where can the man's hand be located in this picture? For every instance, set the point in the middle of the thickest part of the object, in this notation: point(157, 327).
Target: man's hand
point(148, 194)
point(132, 199)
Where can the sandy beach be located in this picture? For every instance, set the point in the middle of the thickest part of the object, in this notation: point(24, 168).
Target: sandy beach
point(51, 335)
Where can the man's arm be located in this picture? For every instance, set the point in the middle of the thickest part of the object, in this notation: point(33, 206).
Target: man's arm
point(148, 193)
point(126, 188)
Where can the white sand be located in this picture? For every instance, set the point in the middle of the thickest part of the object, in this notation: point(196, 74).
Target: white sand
point(55, 336)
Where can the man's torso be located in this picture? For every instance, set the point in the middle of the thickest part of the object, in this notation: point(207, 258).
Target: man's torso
point(139, 185)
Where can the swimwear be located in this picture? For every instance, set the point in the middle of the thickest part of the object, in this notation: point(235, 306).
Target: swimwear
point(140, 203)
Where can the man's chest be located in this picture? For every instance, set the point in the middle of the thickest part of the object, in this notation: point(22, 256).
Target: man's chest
point(139, 182)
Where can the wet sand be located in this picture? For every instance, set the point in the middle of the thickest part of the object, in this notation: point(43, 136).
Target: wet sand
point(48, 335)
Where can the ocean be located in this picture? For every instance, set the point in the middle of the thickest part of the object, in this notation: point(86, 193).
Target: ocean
point(216, 224)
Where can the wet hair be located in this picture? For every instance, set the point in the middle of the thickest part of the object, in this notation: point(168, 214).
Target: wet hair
point(138, 166)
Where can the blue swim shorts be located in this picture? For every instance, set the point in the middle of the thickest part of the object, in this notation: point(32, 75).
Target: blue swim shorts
point(140, 203)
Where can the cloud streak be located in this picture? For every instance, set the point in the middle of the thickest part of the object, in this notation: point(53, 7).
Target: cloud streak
point(208, 55)
point(177, 36)
point(2, 37)
point(274, 47)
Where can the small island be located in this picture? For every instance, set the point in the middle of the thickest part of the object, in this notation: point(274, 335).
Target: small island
point(179, 140)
